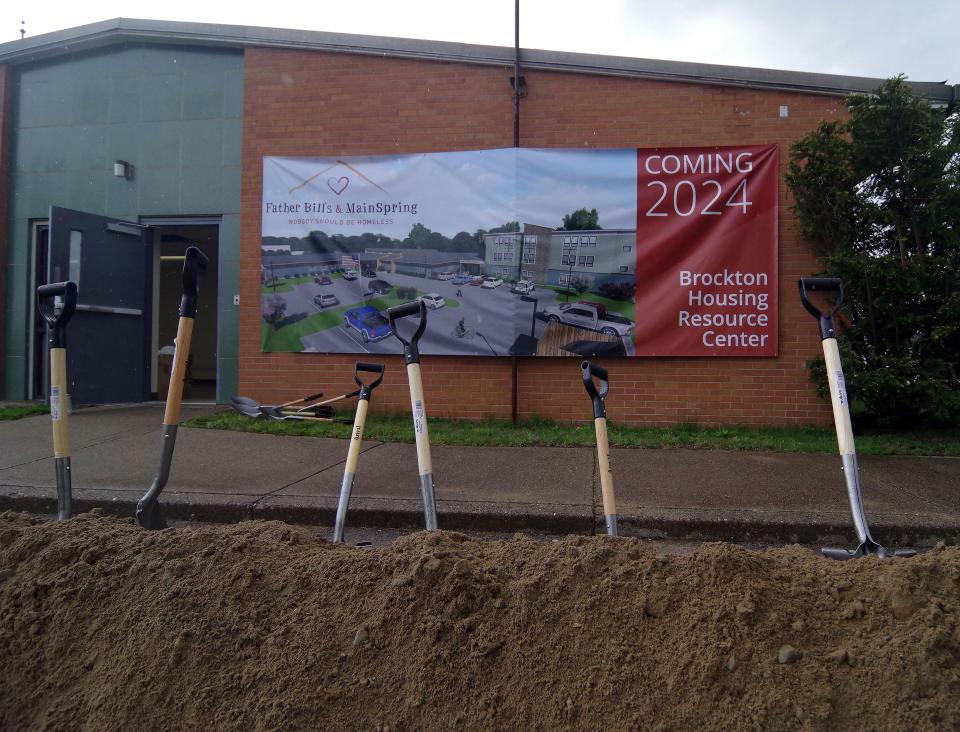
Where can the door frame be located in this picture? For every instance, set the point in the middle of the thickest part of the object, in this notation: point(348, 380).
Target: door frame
point(32, 365)
point(155, 223)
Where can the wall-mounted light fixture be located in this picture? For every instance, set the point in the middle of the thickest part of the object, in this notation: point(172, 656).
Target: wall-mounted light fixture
point(122, 169)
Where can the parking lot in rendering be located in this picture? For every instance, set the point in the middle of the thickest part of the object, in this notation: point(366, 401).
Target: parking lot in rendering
point(492, 318)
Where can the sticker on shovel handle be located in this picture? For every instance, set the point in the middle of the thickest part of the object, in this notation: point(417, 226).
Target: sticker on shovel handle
point(419, 417)
point(55, 403)
point(841, 387)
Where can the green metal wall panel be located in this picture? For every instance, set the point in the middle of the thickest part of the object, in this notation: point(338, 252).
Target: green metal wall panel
point(175, 113)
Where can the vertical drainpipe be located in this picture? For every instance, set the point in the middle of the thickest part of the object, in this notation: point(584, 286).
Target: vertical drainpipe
point(6, 147)
point(516, 143)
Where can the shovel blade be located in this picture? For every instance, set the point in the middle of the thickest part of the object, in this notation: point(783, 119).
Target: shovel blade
point(150, 516)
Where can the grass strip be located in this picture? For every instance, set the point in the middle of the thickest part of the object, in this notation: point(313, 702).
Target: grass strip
point(18, 411)
point(547, 433)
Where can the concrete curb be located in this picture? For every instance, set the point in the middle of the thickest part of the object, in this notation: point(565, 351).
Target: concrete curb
point(702, 525)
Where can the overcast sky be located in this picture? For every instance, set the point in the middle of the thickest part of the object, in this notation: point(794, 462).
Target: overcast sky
point(878, 38)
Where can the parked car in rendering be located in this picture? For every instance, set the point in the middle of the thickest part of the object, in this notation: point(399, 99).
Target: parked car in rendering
point(369, 272)
point(462, 278)
point(491, 282)
point(432, 300)
point(322, 280)
point(368, 322)
point(349, 275)
point(445, 276)
point(325, 301)
point(585, 315)
point(522, 287)
point(380, 287)
point(476, 281)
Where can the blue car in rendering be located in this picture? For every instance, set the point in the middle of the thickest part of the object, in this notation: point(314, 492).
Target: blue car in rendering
point(461, 279)
point(368, 322)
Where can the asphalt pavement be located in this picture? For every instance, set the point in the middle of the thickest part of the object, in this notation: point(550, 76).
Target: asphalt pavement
point(685, 494)
point(493, 318)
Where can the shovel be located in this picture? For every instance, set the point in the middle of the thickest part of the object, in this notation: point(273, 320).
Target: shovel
point(603, 445)
point(356, 437)
point(56, 303)
point(314, 411)
point(841, 418)
point(194, 268)
point(411, 356)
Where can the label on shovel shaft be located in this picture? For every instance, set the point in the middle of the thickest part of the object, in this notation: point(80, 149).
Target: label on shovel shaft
point(841, 388)
point(419, 418)
point(55, 403)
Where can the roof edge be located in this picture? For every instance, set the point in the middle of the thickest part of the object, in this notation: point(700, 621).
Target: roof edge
point(129, 30)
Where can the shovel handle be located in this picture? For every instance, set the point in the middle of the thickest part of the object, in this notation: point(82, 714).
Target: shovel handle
point(302, 399)
point(195, 265)
point(374, 368)
point(822, 284)
point(589, 372)
point(46, 304)
point(411, 353)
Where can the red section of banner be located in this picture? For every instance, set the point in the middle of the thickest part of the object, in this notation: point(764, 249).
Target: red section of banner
point(707, 251)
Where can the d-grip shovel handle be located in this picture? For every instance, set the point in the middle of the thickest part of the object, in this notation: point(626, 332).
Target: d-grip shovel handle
point(411, 354)
point(195, 265)
point(589, 372)
point(375, 368)
point(46, 304)
point(822, 284)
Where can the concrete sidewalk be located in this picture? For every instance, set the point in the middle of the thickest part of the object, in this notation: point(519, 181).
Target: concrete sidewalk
point(709, 494)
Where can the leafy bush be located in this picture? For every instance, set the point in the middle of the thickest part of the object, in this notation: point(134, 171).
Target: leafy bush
point(406, 293)
point(618, 290)
point(879, 197)
point(272, 309)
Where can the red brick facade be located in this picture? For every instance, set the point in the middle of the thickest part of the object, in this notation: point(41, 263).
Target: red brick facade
point(302, 103)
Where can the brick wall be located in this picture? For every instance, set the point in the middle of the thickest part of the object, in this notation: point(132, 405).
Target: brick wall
point(301, 103)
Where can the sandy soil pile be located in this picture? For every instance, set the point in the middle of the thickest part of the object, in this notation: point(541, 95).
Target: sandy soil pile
point(104, 625)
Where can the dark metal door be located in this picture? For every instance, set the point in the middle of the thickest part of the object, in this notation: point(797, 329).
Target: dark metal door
point(109, 336)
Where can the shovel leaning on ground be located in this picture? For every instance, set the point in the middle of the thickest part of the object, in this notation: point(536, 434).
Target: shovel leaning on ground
point(411, 356)
point(56, 303)
point(356, 438)
point(194, 268)
point(841, 417)
point(314, 411)
point(603, 445)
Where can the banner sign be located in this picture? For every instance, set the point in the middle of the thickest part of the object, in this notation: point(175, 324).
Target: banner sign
point(650, 252)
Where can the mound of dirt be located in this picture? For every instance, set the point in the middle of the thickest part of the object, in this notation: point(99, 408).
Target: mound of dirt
point(263, 626)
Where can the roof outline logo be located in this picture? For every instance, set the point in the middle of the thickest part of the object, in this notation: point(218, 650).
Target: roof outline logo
point(337, 184)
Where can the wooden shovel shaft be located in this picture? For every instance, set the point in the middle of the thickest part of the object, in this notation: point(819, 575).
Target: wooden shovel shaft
point(350, 470)
point(420, 429)
point(603, 466)
point(181, 354)
point(59, 402)
point(838, 397)
point(356, 437)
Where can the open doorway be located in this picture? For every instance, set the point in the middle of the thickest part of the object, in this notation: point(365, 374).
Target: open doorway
point(200, 383)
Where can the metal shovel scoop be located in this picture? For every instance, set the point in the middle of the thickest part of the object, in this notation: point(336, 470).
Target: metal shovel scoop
point(56, 303)
point(603, 445)
point(194, 268)
point(841, 417)
point(356, 438)
point(411, 356)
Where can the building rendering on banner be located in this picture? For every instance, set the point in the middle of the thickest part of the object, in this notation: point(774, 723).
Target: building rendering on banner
point(555, 257)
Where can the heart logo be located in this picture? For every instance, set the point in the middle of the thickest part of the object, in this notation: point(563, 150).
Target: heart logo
point(338, 185)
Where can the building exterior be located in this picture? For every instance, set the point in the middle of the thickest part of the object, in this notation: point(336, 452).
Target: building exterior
point(597, 257)
point(419, 262)
point(192, 110)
